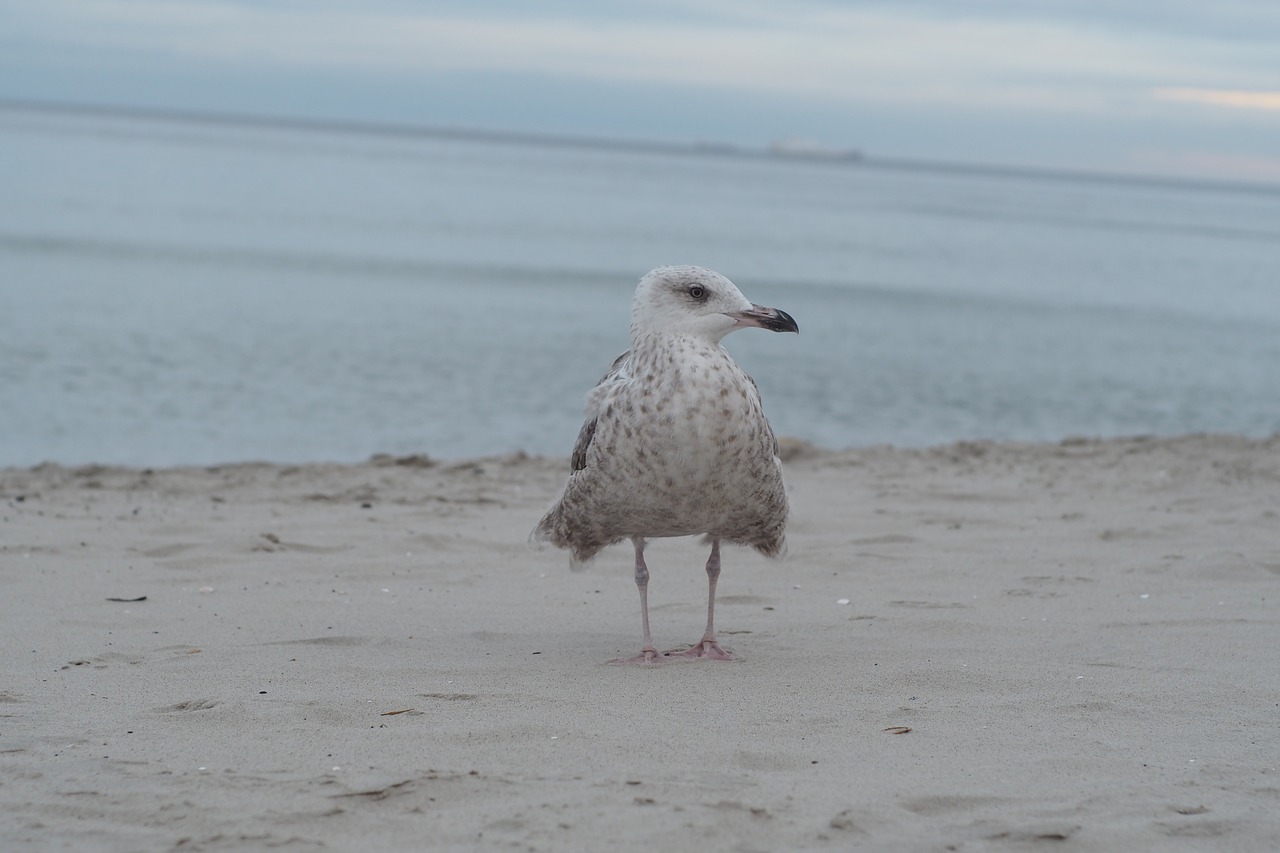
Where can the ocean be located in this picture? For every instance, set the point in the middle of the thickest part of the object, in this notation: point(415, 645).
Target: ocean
point(180, 292)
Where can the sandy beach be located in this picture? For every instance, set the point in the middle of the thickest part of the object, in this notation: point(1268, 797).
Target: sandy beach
point(1069, 646)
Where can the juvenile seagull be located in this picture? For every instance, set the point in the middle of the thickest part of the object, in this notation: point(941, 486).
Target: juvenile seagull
point(676, 442)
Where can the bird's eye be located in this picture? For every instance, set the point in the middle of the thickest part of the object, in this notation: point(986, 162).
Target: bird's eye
point(697, 291)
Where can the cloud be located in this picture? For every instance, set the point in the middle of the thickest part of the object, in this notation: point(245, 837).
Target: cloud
point(845, 53)
point(1036, 82)
point(1210, 164)
point(1238, 98)
point(1237, 20)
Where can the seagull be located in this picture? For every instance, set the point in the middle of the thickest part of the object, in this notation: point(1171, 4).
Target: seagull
point(675, 442)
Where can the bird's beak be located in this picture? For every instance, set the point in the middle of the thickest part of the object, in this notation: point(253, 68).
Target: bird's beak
point(766, 318)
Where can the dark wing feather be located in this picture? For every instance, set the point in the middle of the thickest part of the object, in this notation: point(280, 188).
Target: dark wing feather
point(617, 373)
point(773, 438)
point(588, 432)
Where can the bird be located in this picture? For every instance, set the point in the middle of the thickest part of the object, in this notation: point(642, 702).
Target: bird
point(676, 443)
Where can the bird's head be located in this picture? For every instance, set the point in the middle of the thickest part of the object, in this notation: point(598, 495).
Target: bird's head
point(698, 302)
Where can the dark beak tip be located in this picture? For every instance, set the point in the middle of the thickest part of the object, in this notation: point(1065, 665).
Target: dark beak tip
point(772, 319)
point(788, 323)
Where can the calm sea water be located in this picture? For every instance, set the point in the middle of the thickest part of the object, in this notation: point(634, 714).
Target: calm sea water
point(178, 293)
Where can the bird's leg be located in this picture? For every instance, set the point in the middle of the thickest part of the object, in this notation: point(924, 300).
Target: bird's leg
point(648, 654)
point(707, 647)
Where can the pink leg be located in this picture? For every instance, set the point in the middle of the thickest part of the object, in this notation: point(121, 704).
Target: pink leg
point(707, 647)
point(648, 654)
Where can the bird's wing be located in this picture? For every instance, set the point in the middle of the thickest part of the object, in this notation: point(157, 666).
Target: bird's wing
point(617, 373)
point(759, 401)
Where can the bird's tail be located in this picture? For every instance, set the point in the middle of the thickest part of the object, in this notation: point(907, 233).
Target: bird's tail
point(769, 547)
point(772, 548)
point(554, 530)
point(542, 533)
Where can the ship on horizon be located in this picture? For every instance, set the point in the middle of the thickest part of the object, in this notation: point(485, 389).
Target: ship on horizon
point(796, 146)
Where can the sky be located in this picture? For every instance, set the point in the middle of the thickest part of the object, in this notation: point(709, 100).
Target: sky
point(1178, 88)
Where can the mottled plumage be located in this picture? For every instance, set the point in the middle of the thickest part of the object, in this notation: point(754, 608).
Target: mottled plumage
point(675, 441)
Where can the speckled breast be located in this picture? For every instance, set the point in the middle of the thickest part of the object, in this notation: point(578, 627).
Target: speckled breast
point(687, 446)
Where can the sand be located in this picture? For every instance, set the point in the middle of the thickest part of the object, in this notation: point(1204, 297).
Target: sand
point(1083, 640)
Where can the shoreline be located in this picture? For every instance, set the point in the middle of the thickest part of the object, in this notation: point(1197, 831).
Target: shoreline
point(790, 450)
point(1079, 637)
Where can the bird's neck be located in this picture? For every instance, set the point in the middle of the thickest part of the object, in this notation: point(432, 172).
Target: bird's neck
point(649, 342)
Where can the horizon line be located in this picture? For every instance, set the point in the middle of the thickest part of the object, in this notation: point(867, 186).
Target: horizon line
point(778, 151)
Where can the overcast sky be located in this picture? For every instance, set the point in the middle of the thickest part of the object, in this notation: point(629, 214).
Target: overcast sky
point(1173, 87)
